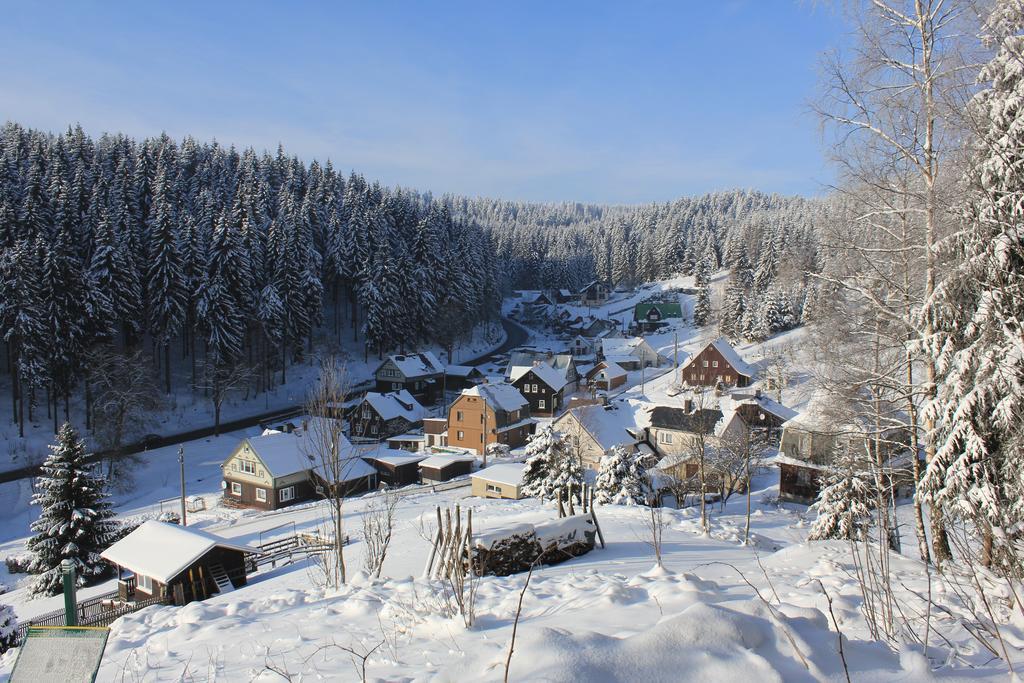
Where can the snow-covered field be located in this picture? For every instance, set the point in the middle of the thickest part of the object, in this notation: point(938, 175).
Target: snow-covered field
point(611, 615)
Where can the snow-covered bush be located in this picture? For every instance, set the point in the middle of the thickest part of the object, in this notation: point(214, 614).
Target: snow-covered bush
point(8, 628)
point(75, 522)
point(622, 480)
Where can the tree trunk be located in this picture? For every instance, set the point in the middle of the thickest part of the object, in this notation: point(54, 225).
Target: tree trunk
point(167, 366)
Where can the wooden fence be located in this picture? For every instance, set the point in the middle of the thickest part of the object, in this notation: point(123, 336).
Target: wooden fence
point(101, 610)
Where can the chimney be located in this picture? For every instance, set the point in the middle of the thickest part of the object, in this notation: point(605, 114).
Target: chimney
point(757, 393)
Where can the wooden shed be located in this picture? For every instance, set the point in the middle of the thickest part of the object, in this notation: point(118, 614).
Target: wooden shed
point(445, 466)
point(396, 467)
point(177, 563)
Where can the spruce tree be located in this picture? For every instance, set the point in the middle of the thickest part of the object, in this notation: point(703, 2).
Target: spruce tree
point(537, 470)
point(75, 521)
point(621, 479)
point(846, 499)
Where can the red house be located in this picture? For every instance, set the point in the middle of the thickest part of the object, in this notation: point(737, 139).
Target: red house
point(717, 363)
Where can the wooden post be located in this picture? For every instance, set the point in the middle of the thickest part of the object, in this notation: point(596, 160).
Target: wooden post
point(593, 518)
point(469, 539)
point(437, 542)
point(572, 508)
point(558, 497)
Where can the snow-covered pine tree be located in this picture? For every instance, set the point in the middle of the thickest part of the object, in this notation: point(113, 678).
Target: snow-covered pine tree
point(733, 307)
point(75, 521)
point(976, 473)
point(846, 500)
point(545, 470)
point(621, 479)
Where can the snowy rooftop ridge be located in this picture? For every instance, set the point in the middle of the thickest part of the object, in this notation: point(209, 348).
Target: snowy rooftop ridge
point(510, 473)
point(161, 551)
point(417, 364)
point(396, 404)
point(500, 396)
point(542, 371)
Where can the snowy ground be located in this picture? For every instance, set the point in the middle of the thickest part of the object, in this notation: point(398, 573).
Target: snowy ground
point(606, 616)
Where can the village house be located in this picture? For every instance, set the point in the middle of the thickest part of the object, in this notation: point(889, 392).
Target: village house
point(651, 316)
point(594, 430)
point(563, 363)
point(278, 469)
point(503, 480)
point(811, 440)
point(601, 328)
point(410, 441)
point(442, 467)
point(675, 434)
point(459, 377)
point(758, 413)
point(717, 364)
point(178, 564)
point(379, 416)
point(632, 353)
point(594, 293)
point(418, 373)
point(489, 413)
point(606, 376)
point(435, 431)
point(542, 385)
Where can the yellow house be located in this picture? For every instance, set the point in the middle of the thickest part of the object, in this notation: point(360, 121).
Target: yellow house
point(499, 481)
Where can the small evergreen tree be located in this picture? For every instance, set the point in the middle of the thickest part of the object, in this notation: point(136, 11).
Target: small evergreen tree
point(621, 479)
point(845, 502)
point(75, 523)
point(8, 628)
point(538, 462)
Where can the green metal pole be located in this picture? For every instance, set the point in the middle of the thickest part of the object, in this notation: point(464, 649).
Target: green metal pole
point(70, 593)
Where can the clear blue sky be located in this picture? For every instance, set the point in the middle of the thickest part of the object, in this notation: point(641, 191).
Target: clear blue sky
point(617, 102)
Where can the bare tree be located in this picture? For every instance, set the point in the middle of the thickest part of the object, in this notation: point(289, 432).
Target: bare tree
point(654, 528)
point(740, 453)
point(220, 381)
point(324, 444)
point(378, 525)
point(894, 111)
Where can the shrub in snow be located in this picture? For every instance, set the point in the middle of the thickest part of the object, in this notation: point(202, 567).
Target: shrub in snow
point(621, 480)
point(75, 523)
point(845, 502)
point(18, 564)
point(8, 628)
point(550, 467)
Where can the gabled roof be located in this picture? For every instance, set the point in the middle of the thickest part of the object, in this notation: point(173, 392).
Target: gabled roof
point(395, 404)
point(498, 396)
point(729, 354)
point(629, 346)
point(285, 454)
point(417, 364)
point(590, 284)
point(670, 417)
point(522, 361)
point(162, 551)
point(766, 404)
point(464, 371)
point(545, 373)
point(667, 309)
point(611, 370)
point(608, 425)
point(442, 460)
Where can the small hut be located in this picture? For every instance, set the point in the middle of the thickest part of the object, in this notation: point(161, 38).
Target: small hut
point(179, 564)
point(442, 467)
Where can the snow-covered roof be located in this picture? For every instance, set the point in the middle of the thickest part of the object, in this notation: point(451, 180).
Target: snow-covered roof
point(462, 370)
point(610, 370)
point(608, 425)
point(395, 404)
point(417, 364)
point(162, 551)
point(440, 460)
point(618, 360)
point(545, 373)
point(678, 419)
point(510, 473)
point(731, 402)
point(409, 436)
point(396, 457)
point(723, 347)
point(620, 346)
point(499, 396)
point(282, 453)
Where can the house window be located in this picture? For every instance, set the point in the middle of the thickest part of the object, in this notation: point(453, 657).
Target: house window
point(803, 476)
point(145, 583)
point(373, 428)
point(395, 386)
point(286, 494)
point(261, 495)
point(714, 363)
point(540, 404)
point(458, 416)
point(705, 363)
point(665, 437)
point(461, 435)
point(491, 488)
point(236, 488)
point(248, 466)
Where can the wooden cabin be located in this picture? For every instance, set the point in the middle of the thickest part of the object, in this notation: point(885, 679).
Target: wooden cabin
point(486, 414)
point(542, 385)
point(606, 376)
point(396, 467)
point(419, 373)
point(380, 416)
point(179, 564)
point(717, 364)
point(594, 293)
